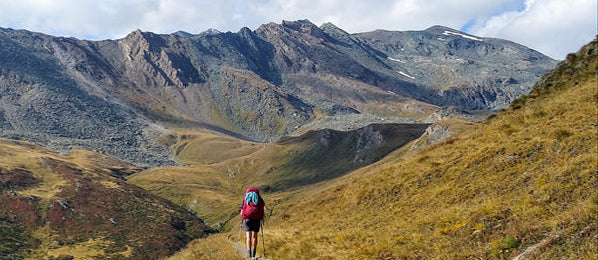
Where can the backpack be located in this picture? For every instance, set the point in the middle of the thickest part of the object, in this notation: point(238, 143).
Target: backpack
point(252, 210)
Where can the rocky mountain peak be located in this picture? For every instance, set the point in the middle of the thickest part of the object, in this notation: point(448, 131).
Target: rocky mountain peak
point(338, 34)
point(210, 31)
point(439, 29)
point(183, 34)
point(303, 30)
point(443, 32)
point(330, 27)
point(145, 40)
point(246, 33)
point(299, 25)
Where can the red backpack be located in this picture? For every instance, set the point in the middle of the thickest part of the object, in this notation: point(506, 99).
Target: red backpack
point(251, 210)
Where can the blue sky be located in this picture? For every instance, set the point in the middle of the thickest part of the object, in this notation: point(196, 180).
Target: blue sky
point(553, 27)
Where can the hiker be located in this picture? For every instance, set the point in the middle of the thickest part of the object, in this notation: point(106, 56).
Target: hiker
point(252, 214)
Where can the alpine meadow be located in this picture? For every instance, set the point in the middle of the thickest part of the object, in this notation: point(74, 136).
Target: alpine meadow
point(431, 144)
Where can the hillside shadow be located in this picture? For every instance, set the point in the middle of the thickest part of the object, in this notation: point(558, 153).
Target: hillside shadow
point(326, 154)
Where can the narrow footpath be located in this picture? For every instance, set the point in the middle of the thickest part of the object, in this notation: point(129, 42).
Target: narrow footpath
point(242, 251)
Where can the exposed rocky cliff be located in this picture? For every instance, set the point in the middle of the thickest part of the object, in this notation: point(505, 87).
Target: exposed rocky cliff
point(116, 96)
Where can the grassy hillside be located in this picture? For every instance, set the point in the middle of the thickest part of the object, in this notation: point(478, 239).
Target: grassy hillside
point(525, 178)
point(522, 184)
point(78, 205)
point(218, 169)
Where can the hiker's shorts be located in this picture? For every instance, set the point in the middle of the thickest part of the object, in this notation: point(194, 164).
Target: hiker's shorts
point(252, 225)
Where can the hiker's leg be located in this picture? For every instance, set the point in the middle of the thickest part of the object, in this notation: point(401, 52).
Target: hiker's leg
point(254, 248)
point(249, 242)
point(254, 239)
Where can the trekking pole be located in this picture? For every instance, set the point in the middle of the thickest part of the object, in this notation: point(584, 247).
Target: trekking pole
point(263, 243)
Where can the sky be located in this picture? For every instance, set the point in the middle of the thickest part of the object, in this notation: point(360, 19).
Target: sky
point(553, 27)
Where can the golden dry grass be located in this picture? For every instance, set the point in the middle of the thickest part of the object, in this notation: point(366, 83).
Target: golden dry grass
point(523, 181)
point(217, 247)
point(513, 182)
point(23, 155)
point(521, 178)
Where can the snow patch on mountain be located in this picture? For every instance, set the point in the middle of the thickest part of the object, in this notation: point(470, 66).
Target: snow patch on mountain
point(397, 60)
point(406, 75)
point(447, 33)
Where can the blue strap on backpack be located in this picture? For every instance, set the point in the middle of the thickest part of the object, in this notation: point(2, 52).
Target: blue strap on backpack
point(252, 197)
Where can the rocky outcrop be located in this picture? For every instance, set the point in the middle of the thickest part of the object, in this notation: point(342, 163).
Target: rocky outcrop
point(433, 134)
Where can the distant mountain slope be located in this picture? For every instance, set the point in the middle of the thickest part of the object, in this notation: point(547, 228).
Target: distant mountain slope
point(463, 70)
point(53, 91)
point(219, 169)
point(521, 184)
point(326, 154)
point(54, 206)
point(116, 96)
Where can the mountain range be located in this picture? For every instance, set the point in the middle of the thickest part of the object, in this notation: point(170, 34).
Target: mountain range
point(127, 97)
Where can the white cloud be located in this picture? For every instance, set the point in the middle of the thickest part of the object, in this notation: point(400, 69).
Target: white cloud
point(361, 16)
point(553, 27)
point(83, 18)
